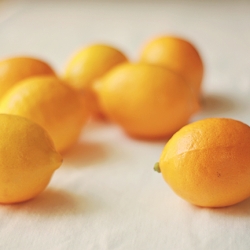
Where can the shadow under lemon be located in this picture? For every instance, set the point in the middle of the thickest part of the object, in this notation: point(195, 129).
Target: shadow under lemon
point(85, 154)
point(217, 104)
point(241, 209)
point(54, 202)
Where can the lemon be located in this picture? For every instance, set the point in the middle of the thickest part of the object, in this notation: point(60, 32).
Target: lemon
point(28, 159)
point(207, 162)
point(52, 104)
point(15, 69)
point(89, 64)
point(146, 100)
point(177, 54)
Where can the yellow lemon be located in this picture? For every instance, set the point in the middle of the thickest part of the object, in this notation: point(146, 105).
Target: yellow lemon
point(52, 104)
point(28, 159)
point(207, 162)
point(148, 101)
point(90, 63)
point(177, 54)
point(15, 69)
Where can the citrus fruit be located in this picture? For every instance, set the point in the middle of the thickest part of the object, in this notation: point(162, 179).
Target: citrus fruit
point(177, 54)
point(148, 101)
point(28, 159)
point(207, 162)
point(54, 105)
point(15, 69)
point(90, 63)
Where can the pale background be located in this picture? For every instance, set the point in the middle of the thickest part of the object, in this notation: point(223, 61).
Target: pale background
point(106, 195)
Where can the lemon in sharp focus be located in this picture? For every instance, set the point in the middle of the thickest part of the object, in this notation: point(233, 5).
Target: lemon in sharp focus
point(207, 162)
point(28, 159)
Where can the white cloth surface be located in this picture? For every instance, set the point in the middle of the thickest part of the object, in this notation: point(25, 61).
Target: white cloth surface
point(106, 195)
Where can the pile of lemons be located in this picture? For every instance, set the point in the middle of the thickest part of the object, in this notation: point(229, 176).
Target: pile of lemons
point(42, 115)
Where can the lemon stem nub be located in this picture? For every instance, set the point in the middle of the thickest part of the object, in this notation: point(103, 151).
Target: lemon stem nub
point(157, 167)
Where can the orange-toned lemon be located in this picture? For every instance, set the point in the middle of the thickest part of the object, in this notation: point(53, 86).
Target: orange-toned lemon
point(177, 54)
point(90, 63)
point(207, 162)
point(28, 159)
point(51, 103)
point(15, 69)
point(148, 101)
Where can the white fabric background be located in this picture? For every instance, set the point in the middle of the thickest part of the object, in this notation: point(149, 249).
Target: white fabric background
point(106, 195)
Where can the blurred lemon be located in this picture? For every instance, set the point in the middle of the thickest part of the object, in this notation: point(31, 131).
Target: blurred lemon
point(89, 64)
point(28, 159)
point(148, 101)
point(54, 105)
point(178, 55)
point(15, 69)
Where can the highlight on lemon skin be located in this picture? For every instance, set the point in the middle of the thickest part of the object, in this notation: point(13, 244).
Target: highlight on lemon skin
point(177, 54)
point(48, 101)
point(87, 65)
point(147, 101)
point(28, 159)
point(207, 162)
point(15, 69)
